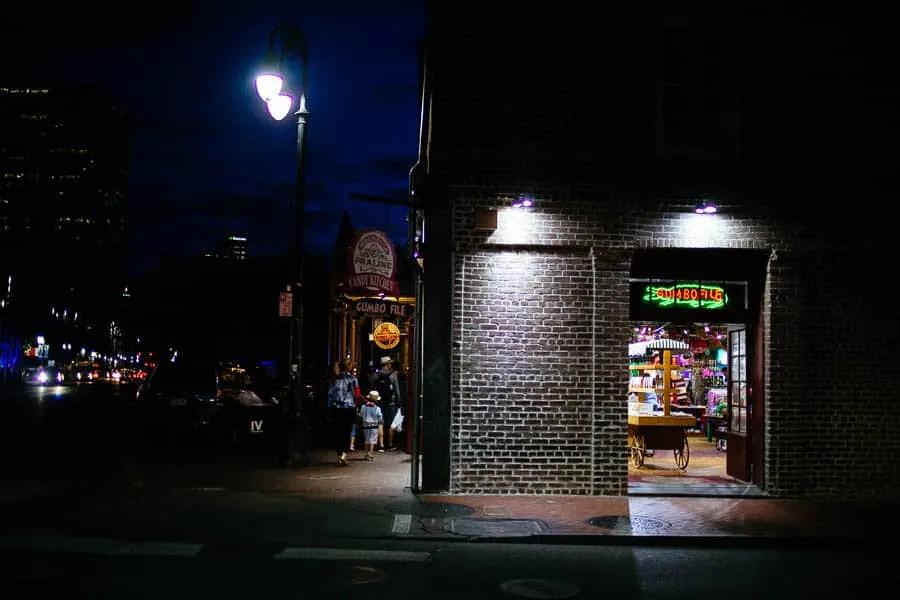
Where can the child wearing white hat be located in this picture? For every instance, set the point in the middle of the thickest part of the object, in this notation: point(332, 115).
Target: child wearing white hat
point(371, 418)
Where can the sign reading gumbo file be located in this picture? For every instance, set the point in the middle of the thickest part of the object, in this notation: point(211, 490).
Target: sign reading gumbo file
point(686, 295)
point(372, 263)
point(383, 308)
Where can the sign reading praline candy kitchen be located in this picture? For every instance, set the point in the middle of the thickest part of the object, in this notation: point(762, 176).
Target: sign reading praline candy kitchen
point(686, 295)
point(372, 263)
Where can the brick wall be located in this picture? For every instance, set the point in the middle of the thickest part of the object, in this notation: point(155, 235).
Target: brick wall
point(540, 331)
point(524, 372)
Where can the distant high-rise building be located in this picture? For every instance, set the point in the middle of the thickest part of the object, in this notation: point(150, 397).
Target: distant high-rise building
point(64, 160)
point(234, 247)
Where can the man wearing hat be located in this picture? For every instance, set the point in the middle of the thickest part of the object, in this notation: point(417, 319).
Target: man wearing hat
point(388, 387)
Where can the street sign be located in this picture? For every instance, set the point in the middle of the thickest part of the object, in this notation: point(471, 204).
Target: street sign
point(286, 304)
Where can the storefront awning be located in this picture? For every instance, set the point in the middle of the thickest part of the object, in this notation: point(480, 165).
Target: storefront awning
point(640, 348)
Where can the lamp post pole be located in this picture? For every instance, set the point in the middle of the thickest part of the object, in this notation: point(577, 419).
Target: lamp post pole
point(299, 240)
point(269, 83)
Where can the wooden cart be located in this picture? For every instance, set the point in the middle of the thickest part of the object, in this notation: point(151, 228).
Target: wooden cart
point(659, 432)
point(665, 431)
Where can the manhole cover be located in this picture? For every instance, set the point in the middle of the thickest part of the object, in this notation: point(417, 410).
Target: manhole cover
point(607, 522)
point(434, 510)
point(631, 524)
point(540, 588)
point(496, 527)
point(360, 576)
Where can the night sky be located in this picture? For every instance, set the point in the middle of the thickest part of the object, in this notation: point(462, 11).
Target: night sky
point(207, 158)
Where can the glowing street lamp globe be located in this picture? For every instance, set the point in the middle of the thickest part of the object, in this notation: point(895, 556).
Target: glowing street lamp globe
point(268, 85)
point(279, 106)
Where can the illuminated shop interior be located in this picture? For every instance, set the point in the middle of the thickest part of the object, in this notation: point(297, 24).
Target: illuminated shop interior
point(679, 381)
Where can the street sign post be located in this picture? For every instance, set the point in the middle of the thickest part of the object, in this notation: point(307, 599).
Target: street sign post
point(286, 304)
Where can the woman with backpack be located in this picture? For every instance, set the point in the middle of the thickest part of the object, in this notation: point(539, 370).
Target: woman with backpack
point(342, 409)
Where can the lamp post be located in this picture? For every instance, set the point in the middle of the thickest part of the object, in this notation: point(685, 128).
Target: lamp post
point(286, 43)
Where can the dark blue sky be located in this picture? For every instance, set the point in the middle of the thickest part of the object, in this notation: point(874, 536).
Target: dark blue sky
point(207, 158)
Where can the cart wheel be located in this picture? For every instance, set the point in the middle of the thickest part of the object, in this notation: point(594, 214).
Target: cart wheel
point(683, 454)
point(637, 451)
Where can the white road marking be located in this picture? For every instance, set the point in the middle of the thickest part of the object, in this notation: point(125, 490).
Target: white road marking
point(98, 546)
point(351, 554)
point(162, 549)
point(402, 524)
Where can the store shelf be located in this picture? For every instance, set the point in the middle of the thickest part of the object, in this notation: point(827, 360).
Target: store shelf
point(657, 368)
point(642, 390)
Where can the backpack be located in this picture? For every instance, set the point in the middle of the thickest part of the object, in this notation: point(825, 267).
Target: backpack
point(384, 387)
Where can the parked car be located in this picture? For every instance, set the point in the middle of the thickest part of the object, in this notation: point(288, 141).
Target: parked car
point(179, 399)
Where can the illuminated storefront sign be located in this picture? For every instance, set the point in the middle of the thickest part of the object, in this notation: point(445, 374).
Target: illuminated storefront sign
point(386, 335)
point(383, 308)
point(372, 264)
point(692, 295)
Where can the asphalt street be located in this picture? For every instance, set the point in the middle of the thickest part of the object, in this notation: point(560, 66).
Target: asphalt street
point(64, 431)
point(70, 528)
point(70, 458)
point(437, 570)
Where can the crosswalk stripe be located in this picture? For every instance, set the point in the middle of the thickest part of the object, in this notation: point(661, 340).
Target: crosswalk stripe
point(402, 524)
point(164, 549)
point(352, 554)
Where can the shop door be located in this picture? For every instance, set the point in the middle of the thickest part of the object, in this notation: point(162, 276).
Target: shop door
point(737, 463)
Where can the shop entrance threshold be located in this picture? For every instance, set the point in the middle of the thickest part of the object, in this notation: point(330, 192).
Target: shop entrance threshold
point(701, 490)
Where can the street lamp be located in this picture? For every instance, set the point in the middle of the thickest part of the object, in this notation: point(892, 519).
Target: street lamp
point(286, 43)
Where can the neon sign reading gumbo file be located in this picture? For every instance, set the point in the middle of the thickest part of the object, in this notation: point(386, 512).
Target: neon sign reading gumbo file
point(686, 295)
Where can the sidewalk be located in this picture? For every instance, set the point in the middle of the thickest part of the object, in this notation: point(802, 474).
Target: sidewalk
point(381, 488)
point(671, 520)
point(206, 500)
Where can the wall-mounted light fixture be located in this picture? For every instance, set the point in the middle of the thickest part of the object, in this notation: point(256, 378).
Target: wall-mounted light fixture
point(523, 201)
point(706, 208)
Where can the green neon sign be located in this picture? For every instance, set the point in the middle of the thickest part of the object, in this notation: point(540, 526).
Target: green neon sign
point(686, 295)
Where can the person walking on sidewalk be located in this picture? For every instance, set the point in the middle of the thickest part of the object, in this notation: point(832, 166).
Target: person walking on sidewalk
point(370, 418)
point(357, 396)
point(342, 409)
point(389, 389)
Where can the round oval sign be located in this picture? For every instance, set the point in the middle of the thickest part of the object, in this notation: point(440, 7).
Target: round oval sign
point(372, 263)
point(386, 336)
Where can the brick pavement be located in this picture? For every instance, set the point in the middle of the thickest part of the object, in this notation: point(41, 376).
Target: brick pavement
point(573, 517)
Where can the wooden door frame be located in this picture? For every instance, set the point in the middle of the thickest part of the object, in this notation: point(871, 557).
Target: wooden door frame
point(737, 457)
point(723, 264)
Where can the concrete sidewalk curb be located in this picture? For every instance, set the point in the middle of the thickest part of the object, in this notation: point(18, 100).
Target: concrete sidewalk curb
point(681, 541)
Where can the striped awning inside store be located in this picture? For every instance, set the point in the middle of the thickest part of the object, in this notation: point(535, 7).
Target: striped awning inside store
point(640, 348)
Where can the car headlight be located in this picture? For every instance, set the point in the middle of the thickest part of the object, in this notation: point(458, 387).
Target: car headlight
point(42, 377)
